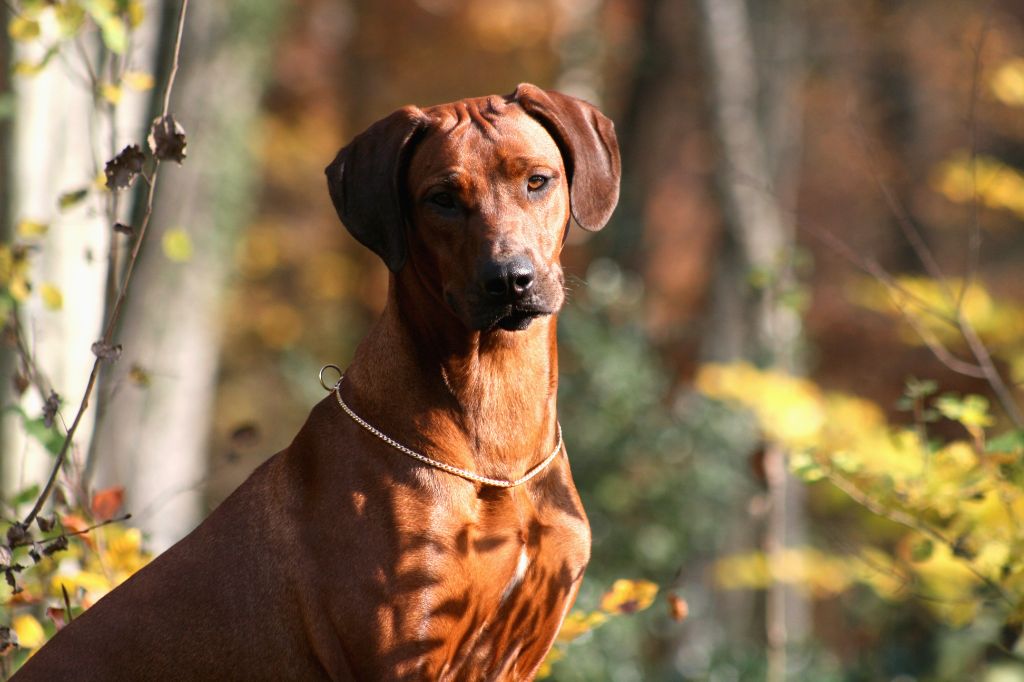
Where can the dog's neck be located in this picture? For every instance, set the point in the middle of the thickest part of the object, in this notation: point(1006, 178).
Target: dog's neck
point(484, 401)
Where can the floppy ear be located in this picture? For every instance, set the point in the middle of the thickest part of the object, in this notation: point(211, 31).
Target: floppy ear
point(366, 179)
point(586, 138)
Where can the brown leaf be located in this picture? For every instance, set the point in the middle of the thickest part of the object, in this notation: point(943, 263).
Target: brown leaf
point(122, 170)
point(106, 351)
point(16, 534)
point(58, 544)
point(20, 382)
point(678, 609)
point(8, 640)
point(245, 434)
point(46, 524)
point(50, 408)
point(58, 615)
point(167, 139)
point(105, 503)
point(139, 376)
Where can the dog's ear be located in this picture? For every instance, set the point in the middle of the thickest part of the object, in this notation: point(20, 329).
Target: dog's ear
point(586, 138)
point(365, 181)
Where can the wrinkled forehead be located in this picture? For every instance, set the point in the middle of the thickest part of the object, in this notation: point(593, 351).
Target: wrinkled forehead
point(482, 135)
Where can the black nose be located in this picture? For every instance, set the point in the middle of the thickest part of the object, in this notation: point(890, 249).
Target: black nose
point(508, 280)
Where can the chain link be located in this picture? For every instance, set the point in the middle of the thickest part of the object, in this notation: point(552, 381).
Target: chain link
point(462, 473)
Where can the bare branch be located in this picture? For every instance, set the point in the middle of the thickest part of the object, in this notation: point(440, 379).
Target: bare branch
point(115, 314)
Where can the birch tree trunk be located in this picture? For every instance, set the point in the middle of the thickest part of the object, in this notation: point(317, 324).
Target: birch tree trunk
point(60, 142)
point(153, 435)
point(752, 321)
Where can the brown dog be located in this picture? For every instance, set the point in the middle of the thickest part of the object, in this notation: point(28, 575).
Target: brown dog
point(342, 557)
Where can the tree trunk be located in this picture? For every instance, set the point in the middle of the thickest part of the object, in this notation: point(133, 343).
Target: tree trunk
point(155, 426)
point(60, 141)
point(755, 138)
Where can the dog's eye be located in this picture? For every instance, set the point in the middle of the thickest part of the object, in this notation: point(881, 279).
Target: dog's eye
point(442, 199)
point(536, 182)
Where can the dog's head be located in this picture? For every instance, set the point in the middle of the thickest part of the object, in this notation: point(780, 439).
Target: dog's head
point(476, 195)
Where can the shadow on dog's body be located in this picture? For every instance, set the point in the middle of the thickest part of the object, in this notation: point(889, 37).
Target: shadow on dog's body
point(342, 558)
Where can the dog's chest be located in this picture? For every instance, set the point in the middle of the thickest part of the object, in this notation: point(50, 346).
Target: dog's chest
point(505, 584)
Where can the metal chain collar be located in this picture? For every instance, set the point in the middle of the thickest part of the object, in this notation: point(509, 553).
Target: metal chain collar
point(456, 471)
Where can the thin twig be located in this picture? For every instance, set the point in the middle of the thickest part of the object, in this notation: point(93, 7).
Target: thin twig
point(100, 524)
point(115, 314)
point(904, 519)
point(974, 237)
point(873, 268)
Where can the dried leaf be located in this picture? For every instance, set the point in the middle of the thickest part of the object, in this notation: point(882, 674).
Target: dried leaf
point(16, 534)
point(167, 139)
point(50, 408)
point(74, 523)
point(20, 383)
point(245, 434)
point(122, 170)
point(58, 544)
point(105, 503)
point(46, 524)
point(58, 616)
point(8, 640)
point(678, 609)
point(106, 351)
point(35, 552)
point(139, 376)
point(12, 581)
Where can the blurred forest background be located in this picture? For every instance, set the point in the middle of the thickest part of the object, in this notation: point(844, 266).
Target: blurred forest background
point(791, 366)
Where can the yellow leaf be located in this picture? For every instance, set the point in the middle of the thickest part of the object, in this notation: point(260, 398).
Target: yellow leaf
point(138, 80)
point(110, 92)
point(23, 68)
point(578, 623)
point(24, 29)
point(136, 13)
point(1008, 83)
point(52, 298)
point(27, 229)
point(19, 289)
point(545, 667)
point(30, 632)
point(177, 245)
point(629, 596)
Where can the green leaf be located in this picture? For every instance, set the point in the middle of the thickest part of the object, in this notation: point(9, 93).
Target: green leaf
point(920, 388)
point(70, 17)
point(922, 550)
point(25, 496)
point(70, 199)
point(47, 436)
point(1009, 442)
point(115, 36)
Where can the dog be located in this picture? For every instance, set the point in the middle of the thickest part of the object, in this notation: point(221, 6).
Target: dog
point(423, 525)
